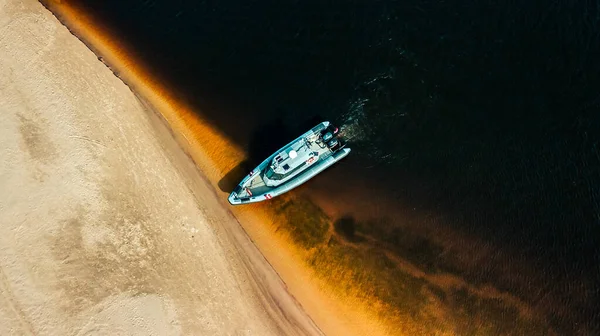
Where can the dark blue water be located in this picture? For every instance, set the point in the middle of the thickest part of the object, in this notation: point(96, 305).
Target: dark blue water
point(485, 114)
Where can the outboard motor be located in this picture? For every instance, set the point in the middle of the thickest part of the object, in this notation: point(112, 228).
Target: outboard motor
point(333, 143)
point(329, 132)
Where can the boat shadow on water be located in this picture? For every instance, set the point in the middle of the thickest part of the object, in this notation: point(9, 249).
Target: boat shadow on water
point(234, 176)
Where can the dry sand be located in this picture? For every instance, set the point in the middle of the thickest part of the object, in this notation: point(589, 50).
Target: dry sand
point(106, 226)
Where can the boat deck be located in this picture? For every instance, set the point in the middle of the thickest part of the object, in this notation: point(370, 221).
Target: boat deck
point(258, 187)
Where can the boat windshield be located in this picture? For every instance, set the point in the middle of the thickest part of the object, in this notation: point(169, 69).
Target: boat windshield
point(272, 175)
point(269, 173)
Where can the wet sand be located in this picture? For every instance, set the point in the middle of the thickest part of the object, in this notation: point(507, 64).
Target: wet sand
point(106, 226)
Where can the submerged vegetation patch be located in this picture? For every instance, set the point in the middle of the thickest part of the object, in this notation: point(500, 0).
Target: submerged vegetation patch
point(475, 315)
point(306, 223)
point(403, 242)
point(346, 228)
point(361, 261)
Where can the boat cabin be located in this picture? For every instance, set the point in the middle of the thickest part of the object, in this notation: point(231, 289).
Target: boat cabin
point(290, 160)
point(301, 154)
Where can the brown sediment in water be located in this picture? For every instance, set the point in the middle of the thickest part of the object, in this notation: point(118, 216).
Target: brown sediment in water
point(336, 313)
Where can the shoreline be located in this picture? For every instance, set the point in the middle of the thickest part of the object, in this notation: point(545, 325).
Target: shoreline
point(193, 135)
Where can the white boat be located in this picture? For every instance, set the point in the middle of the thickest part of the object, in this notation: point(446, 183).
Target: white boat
point(292, 165)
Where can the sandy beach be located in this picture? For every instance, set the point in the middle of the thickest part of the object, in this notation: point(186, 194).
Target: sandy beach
point(106, 225)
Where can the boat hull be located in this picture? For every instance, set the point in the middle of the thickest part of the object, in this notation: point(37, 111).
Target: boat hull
point(268, 193)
